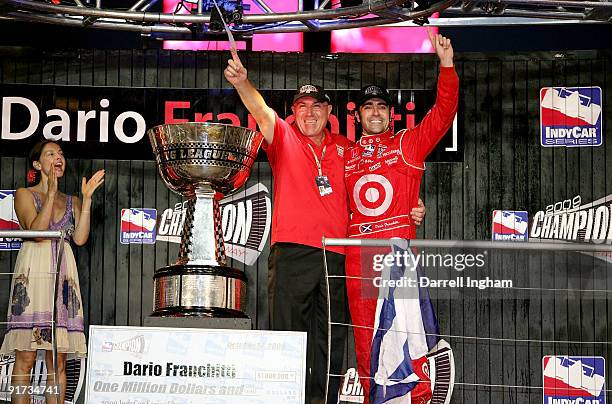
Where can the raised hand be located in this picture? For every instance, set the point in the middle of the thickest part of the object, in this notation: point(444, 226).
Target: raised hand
point(235, 72)
point(88, 187)
point(52, 182)
point(443, 48)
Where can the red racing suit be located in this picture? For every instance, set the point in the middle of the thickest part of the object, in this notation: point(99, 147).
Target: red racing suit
point(383, 177)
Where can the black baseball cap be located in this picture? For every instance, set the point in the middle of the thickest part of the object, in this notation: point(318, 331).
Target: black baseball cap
point(373, 91)
point(311, 90)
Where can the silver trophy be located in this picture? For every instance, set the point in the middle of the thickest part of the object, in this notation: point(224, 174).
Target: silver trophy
point(198, 160)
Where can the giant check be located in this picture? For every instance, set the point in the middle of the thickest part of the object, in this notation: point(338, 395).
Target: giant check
point(149, 365)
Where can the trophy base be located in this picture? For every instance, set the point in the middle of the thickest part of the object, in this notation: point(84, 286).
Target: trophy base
point(199, 291)
point(208, 312)
point(218, 323)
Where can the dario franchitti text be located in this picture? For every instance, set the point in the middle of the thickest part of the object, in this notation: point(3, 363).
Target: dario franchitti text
point(178, 370)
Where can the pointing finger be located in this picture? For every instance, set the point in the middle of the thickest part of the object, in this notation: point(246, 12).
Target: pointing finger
point(432, 37)
point(235, 57)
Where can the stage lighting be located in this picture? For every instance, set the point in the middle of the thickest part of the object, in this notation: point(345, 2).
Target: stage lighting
point(216, 24)
point(232, 11)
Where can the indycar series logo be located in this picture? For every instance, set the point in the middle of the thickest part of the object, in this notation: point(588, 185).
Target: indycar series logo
point(509, 225)
point(574, 380)
point(8, 220)
point(245, 218)
point(571, 116)
point(138, 226)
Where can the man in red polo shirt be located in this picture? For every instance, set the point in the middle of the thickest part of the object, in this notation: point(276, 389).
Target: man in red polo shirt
point(310, 201)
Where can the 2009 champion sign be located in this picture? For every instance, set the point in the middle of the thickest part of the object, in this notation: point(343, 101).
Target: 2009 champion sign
point(245, 219)
point(111, 123)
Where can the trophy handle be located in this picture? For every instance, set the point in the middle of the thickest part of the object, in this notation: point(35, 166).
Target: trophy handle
point(202, 239)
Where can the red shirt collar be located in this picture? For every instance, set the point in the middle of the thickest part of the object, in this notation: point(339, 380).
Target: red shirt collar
point(385, 135)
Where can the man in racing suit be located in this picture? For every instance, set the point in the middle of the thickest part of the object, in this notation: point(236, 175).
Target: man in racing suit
point(383, 175)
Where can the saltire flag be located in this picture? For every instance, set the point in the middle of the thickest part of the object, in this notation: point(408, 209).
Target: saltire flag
point(405, 327)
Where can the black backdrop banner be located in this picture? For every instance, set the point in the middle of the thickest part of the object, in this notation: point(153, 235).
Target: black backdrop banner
point(111, 122)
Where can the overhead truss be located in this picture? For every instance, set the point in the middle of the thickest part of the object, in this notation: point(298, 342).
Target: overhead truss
point(197, 19)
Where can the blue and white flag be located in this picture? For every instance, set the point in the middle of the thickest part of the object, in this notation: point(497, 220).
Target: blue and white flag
point(405, 327)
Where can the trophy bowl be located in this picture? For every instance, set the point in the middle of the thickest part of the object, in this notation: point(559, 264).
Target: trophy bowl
point(201, 160)
point(193, 153)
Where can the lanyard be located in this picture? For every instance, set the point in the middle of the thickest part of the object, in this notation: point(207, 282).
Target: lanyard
point(317, 162)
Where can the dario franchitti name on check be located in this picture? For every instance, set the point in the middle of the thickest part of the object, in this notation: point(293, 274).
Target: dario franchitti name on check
point(572, 221)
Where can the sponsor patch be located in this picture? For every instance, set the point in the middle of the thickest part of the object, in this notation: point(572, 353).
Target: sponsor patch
point(510, 225)
point(571, 116)
point(368, 150)
point(353, 160)
point(390, 152)
point(138, 226)
point(375, 166)
point(574, 379)
point(392, 160)
point(373, 194)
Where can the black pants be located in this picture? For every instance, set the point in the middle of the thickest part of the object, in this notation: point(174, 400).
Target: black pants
point(297, 290)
